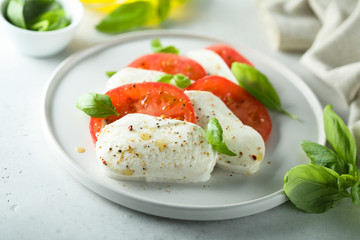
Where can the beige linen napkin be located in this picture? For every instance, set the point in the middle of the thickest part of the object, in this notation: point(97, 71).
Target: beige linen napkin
point(329, 33)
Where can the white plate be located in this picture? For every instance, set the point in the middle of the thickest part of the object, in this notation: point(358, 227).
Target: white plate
point(225, 195)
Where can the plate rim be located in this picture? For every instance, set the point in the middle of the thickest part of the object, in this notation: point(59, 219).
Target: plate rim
point(86, 180)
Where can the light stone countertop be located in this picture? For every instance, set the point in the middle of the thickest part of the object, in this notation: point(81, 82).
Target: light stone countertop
point(39, 200)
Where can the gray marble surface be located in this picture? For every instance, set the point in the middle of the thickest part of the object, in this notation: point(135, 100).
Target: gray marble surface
point(40, 200)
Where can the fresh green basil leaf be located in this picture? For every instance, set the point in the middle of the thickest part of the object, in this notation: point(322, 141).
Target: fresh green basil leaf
point(96, 105)
point(166, 78)
point(182, 81)
point(355, 193)
point(215, 135)
point(15, 13)
point(49, 21)
point(340, 138)
point(35, 8)
point(163, 9)
point(345, 181)
point(126, 17)
point(323, 156)
point(313, 188)
point(158, 47)
point(110, 73)
point(258, 85)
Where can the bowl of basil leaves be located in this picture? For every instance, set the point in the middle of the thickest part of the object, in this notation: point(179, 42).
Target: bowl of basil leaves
point(41, 28)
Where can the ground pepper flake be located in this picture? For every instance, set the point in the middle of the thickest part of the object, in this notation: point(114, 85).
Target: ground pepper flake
point(130, 127)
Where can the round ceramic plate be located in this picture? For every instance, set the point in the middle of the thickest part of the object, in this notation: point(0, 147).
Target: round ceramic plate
point(225, 195)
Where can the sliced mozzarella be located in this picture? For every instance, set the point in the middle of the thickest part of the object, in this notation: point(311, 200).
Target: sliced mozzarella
point(212, 63)
point(146, 148)
point(243, 140)
point(132, 75)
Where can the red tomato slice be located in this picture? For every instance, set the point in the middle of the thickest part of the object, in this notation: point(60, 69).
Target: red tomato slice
point(170, 63)
point(152, 98)
point(246, 107)
point(228, 54)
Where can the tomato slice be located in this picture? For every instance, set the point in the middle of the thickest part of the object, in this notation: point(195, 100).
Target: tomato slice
point(152, 98)
point(246, 107)
point(228, 54)
point(170, 63)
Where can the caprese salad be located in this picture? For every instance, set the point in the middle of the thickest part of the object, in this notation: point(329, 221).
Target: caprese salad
point(172, 118)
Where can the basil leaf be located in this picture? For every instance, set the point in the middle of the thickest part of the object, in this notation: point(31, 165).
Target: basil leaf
point(313, 188)
point(258, 85)
point(182, 81)
point(323, 156)
point(96, 105)
point(158, 47)
point(355, 193)
point(215, 135)
point(50, 21)
point(126, 16)
point(110, 73)
point(163, 9)
point(340, 138)
point(166, 78)
point(345, 181)
point(15, 13)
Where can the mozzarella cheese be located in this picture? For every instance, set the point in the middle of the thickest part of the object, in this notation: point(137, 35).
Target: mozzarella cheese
point(212, 63)
point(243, 140)
point(152, 149)
point(132, 75)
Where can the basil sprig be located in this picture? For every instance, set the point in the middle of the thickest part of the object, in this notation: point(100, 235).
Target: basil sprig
point(37, 15)
point(259, 86)
point(158, 47)
point(214, 133)
point(332, 174)
point(96, 105)
point(181, 80)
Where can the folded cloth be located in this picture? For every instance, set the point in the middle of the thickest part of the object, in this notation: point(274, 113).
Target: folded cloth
point(329, 33)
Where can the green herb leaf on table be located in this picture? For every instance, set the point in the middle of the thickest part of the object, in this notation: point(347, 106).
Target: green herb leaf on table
point(316, 187)
point(355, 193)
point(158, 47)
point(14, 13)
point(340, 138)
point(323, 156)
point(258, 85)
point(126, 16)
point(345, 181)
point(96, 105)
point(215, 135)
point(313, 188)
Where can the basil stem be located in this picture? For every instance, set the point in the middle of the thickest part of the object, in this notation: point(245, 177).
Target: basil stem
point(258, 85)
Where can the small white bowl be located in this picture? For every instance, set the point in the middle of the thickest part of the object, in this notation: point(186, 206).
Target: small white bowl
point(42, 44)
